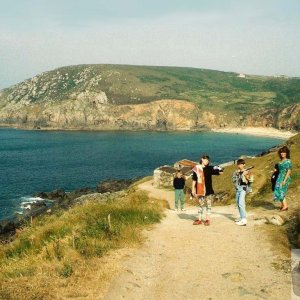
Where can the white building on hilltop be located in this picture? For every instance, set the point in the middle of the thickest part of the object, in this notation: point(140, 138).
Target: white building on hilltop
point(241, 75)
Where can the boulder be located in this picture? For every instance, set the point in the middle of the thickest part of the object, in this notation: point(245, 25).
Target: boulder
point(54, 195)
point(276, 220)
point(114, 185)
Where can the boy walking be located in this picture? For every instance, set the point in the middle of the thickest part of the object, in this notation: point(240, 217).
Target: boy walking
point(178, 184)
point(240, 179)
point(202, 187)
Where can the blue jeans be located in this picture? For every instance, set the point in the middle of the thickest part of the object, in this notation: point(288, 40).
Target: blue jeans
point(240, 200)
point(179, 196)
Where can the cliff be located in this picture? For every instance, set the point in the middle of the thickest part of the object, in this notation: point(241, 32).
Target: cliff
point(112, 97)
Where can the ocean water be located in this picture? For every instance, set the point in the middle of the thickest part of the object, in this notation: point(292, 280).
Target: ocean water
point(34, 161)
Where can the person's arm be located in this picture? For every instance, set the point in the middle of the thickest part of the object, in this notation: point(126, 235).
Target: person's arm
point(194, 182)
point(194, 188)
point(216, 170)
point(235, 178)
point(246, 176)
point(287, 175)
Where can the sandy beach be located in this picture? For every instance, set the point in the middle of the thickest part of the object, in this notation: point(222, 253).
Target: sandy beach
point(258, 131)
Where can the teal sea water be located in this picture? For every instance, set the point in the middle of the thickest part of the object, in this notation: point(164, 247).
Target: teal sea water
point(34, 161)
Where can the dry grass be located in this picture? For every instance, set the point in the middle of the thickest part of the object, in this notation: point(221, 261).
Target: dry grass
point(70, 254)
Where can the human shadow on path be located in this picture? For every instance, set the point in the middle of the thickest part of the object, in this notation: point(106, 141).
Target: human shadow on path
point(228, 216)
point(195, 216)
point(264, 204)
point(186, 216)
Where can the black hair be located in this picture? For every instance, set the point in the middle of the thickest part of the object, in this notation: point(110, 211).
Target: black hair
point(204, 156)
point(286, 150)
point(240, 161)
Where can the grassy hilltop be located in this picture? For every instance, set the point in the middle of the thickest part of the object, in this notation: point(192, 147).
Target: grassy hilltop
point(246, 100)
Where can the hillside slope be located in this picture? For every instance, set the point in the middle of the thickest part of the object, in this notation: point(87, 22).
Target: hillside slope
point(98, 97)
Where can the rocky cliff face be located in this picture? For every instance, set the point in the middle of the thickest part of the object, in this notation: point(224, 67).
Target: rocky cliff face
point(287, 118)
point(95, 113)
point(103, 97)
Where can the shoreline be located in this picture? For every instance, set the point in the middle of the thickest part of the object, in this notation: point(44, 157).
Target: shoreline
point(258, 131)
point(254, 131)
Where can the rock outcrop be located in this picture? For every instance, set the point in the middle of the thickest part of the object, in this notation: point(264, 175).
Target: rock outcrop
point(287, 118)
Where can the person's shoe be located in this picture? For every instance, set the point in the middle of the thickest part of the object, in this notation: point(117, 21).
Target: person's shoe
point(175, 209)
point(242, 222)
point(207, 222)
point(284, 209)
point(183, 209)
point(197, 222)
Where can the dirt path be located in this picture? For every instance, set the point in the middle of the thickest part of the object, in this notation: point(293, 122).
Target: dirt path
point(182, 261)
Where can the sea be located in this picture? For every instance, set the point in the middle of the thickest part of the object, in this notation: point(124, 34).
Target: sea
point(35, 161)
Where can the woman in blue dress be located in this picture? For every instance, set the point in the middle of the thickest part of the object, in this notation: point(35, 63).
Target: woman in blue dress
point(284, 178)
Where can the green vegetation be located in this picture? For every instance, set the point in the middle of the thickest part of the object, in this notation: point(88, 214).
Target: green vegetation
point(140, 84)
point(65, 245)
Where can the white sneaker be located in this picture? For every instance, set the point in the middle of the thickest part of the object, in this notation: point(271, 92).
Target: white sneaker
point(183, 209)
point(176, 209)
point(242, 222)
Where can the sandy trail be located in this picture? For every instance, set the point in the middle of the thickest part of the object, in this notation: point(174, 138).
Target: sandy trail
point(182, 261)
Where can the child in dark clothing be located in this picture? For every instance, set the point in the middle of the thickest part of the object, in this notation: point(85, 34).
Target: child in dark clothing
point(178, 184)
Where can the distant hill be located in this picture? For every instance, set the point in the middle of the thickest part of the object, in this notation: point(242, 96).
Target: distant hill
point(154, 98)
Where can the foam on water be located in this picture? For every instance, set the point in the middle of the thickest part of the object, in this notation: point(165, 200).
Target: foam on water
point(28, 200)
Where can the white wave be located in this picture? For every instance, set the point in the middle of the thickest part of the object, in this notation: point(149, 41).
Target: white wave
point(27, 201)
point(31, 199)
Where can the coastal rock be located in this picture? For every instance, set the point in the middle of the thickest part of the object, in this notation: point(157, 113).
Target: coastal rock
point(113, 185)
point(36, 209)
point(104, 197)
point(60, 194)
point(286, 118)
point(276, 220)
point(7, 226)
point(54, 195)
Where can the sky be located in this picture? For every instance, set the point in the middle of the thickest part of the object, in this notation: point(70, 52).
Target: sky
point(246, 36)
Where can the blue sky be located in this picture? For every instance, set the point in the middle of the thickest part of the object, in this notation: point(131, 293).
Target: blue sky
point(249, 36)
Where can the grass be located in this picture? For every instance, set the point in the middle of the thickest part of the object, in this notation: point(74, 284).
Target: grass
point(61, 248)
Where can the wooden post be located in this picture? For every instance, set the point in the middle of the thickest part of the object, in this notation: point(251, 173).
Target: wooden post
point(73, 240)
point(109, 222)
